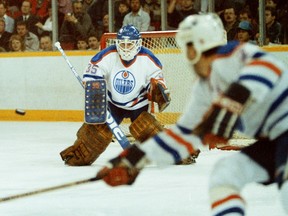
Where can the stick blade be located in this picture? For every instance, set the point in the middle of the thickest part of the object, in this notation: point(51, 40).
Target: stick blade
point(96, 102)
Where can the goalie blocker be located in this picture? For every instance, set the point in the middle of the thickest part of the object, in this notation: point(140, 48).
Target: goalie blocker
point(95, 102)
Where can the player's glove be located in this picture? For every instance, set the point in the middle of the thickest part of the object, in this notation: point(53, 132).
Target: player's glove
point(124, 169)
point(160, 94)
point(220, 121)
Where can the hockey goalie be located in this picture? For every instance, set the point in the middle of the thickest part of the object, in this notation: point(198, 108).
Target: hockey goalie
point(134, 80)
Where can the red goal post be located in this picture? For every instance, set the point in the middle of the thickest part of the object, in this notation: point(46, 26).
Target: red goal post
point(109, 38)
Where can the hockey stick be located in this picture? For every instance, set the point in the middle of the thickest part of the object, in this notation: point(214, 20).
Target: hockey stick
point(114, 127)
point(31, 193)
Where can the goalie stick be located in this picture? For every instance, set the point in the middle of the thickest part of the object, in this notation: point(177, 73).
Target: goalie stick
point(110, 121)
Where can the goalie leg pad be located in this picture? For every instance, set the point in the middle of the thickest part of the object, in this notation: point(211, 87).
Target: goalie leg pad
point(145, 126)
point(91, 141)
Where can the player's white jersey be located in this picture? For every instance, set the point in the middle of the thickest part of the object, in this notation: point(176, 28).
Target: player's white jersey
point(266, 115)
point(127, 82)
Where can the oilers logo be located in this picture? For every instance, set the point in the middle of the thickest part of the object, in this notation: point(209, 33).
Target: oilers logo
point(124, 82)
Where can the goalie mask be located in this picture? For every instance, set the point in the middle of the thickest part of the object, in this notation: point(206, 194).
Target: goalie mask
point(204, 31)
point(128, 42)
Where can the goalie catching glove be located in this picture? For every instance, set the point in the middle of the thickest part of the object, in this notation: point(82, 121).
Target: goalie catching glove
point(124, 169)
point(220, 121)
point(159, 93)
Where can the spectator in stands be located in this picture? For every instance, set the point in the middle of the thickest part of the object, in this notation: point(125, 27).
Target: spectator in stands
point(273, 27)
point(153, 8)
point(82, 43)
point(46, 43)
point(40, 8)
point(137, 17)
point(246, 15)
point(93, 42)
point(97, 10)
point(266, 41)
point(28, 17)
point(76, 24)
point(16, 43)
point(176, 16)
point(230, 23)
point(104, 28)
point(13, 8)
point(64, 7)
point(30, 39)
point(245, 32)
point(221, 5)
point(253, 6)
point(121, 10)
point(9, 21)
point(4, 35)
point(47, 26)
point(87, 4)
point(282, 18)
point(270, 3)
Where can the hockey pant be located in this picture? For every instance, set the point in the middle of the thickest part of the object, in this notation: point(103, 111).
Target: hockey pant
point(264, 162)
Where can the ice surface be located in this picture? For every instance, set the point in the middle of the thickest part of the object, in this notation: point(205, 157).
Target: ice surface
point(30, 160)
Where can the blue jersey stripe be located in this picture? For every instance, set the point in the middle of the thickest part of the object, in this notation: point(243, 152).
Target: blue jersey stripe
point(283, 116)
point(184, 130)
point(256, 78)
point(167, 148)
point(103, 53)
point(272, 108)
point(234, 210)
point(125, 103)
point(278, 101)
point(92, 76)
point(258, 55)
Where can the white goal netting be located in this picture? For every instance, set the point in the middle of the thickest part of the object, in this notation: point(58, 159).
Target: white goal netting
point(178, 75)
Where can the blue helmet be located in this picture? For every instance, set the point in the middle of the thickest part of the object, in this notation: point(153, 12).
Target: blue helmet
point(128, 42)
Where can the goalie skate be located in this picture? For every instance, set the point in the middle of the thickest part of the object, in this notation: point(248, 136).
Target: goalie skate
point(95, 102)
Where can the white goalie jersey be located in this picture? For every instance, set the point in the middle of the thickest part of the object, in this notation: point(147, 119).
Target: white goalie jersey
point(128, 82)
point(266, 114)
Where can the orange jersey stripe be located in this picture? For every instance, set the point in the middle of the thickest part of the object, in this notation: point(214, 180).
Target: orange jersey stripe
point(268, 65)
point(181, 141)
point(231, 197)
point(135, 102)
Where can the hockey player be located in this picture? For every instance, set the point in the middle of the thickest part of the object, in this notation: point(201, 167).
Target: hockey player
point(240, 87)
point(133, 74)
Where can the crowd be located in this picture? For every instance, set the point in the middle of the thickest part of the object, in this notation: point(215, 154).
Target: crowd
point(81, 23)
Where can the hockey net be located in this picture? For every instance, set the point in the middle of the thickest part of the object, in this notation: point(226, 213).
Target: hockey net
point(178, 75)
